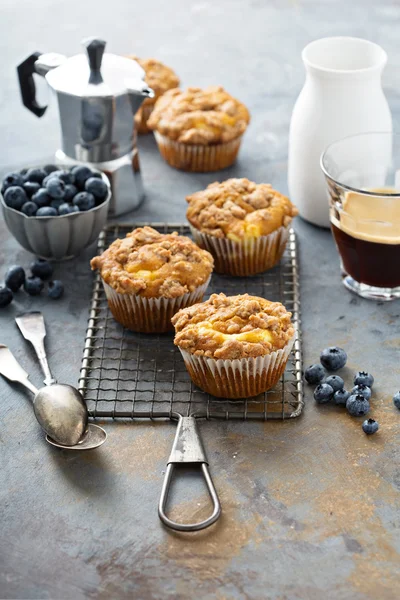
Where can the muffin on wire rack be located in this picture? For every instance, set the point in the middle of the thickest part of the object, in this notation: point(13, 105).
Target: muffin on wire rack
point(148, 276)
point(198, 129)
point(160, 78)
point(235, 346)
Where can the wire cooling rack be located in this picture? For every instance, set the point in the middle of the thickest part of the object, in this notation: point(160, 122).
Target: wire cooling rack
point(134, 375)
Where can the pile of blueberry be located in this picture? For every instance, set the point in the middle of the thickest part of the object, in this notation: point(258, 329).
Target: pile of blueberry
point(49, 192)
point(332, 387)
point(15, 278)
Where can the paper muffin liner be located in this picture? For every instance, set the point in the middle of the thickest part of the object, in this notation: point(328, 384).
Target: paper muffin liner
point(149, 315)
point(197, 157)
point(251, 256)
point(142, 117)
point(239, 378)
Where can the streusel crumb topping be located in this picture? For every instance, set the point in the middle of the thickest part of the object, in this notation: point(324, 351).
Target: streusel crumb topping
point(231, 327)
point(239, 209)
point(199, 116)
point(158, 76)
point(153, 265)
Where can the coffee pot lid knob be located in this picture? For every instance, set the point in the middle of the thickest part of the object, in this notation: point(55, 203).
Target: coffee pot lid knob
point(95, 50)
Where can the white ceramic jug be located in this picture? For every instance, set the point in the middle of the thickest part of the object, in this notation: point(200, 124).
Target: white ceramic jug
point(342, 96)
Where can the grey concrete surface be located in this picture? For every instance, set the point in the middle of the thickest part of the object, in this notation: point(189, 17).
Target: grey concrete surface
point(311, 506)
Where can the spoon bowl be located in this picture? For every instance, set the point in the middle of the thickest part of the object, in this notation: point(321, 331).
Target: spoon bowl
point(94, 437)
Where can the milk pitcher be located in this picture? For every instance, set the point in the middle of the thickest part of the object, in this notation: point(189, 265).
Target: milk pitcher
point(342, 96)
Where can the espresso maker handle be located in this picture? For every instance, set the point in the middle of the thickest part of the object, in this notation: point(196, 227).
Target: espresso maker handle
point(27, 84)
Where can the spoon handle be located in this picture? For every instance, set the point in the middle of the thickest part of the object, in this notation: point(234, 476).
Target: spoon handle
point(12, 370)
point(33, 329)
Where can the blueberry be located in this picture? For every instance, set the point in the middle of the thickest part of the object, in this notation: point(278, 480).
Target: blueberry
point(41, 198)
point(363, 390)
point(333, 358)
point(81, 174)
point(50, 169)
point(335, 382)
point(340, 397)
point(33, 286)
point(42, 268)
point(67, 209)
point(29, 209)
point(36, 175)
point(65, 176)
point(364, 378)
point(55, 187)
point(14, 278)
point(55, 289)
point(12, 179)
point(97, 174)
point(69, 192)
point(31, 187)
point(84, 201)
point(56, 203)
point(370, 426)
point(357, 405)
point(97, 187)
point(396, 400)
point(15, 197)
point(6, 296)
point(323, 393)
point(314, 374)
point(47, 211)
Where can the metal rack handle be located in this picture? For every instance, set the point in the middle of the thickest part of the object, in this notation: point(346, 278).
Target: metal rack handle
point(188, 449)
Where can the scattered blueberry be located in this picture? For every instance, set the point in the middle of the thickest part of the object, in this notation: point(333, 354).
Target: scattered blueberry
point(67, 209)
point(363, 390)
point(341, 396)
point(50, 169)
point(396, 400)
point(84, 201)
point(333, 358)
point(314, 373)
point(97, 187)
point(335, 382)
point(12, 179)
point(29, 209)
point(14, 278)
point(81, 174)
point(6, 296)
point(41, 198)
point(42, 268)
point(33, 286)
point(15, 197)
point(55, 289)
point(46, 211)
point(69, 192)
point(56, 203)
point(323, 393)
point(31, 187)
point(363, 378)
point(36, 175)
point(55, 187)
point(357, 405)
point(370, 426)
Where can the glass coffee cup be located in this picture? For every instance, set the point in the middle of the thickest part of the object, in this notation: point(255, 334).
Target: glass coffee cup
point(363, 176)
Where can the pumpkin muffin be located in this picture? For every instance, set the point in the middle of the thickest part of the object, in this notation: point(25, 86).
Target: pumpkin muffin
point(244, 225)
point(148, 276)
point(234, 346)
point(198, 129)
point(160, 78)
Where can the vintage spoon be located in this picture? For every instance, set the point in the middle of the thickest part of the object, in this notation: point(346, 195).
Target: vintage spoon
point(59, 409)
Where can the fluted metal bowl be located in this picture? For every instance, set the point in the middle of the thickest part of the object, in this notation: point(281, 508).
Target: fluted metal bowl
point(61, 237)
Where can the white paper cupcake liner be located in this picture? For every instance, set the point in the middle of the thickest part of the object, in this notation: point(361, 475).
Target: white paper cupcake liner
point(239, 378)
point(251, 256)
point(149, 315)
point(197, 157)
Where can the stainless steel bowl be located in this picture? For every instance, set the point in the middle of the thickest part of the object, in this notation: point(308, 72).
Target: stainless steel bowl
point(57, 238)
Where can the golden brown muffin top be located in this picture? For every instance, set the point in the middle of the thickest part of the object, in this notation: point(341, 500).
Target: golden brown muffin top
point(230, 327)
point(158, 76)
point(199, 116)
point(154, 265)
point(239, 209)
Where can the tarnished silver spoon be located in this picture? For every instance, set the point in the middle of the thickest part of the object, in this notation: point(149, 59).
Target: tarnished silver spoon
point(59, 409)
